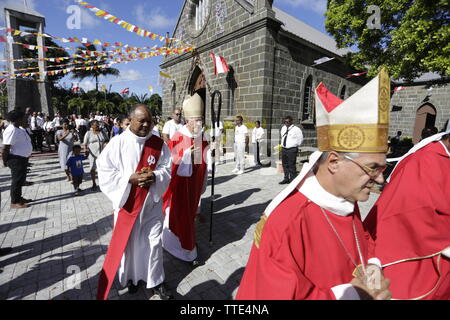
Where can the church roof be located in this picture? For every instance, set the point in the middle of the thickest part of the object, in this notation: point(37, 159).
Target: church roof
point(308, 33)
point(26, 10)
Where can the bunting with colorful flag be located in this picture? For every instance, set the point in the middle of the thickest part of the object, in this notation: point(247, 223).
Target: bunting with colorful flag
point(127, 26)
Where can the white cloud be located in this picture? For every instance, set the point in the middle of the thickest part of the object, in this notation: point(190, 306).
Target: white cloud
point(155, 18)
point(129, 75)
point(89, 20)
point(319, 6)
point(87, 85)
point(19, 4)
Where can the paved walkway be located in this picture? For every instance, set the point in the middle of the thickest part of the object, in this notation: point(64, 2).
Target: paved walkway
point(61, 239)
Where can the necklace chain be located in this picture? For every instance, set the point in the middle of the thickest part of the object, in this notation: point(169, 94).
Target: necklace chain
point(342, 242)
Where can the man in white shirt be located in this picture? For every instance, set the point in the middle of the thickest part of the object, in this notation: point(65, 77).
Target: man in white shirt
point(172, 126)
point(240, 142)
point(218, 139)
point(57, 121)
point(82, 126)
point(36, 123)
point(291, 139)
point(257, 137)
point(49, 133)
point(99, 116)
point(17, 148)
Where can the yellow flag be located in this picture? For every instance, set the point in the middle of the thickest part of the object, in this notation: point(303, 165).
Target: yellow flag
point(165, 75)
point(150, 88)
point(103, 88)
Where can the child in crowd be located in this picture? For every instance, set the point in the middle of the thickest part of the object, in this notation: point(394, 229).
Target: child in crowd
point(125, 123)
point(75, 166)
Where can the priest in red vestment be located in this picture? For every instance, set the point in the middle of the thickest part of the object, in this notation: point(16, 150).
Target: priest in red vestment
point(410, 223)
point(310, 242)
point(189, 148)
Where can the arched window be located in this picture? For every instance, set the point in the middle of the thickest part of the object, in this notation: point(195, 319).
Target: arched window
point(201, 13)
point(307, 100)
point(342, 93)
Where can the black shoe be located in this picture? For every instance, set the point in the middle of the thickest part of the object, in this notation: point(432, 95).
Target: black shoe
point(196, 263)
point(5, 251)
point(284, 182)
point(28, 183)
point(132, 289)
point(23, 200)
point(162, 292)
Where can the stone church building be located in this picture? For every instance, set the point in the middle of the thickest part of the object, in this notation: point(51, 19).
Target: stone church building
point(272, 74)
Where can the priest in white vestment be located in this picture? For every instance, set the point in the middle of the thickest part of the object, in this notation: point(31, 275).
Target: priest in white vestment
point(143, 256)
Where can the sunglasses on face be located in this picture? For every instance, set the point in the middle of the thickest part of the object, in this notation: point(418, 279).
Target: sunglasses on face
point(372, 173)
point(178, 114)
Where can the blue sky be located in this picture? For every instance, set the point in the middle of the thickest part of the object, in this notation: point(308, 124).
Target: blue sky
point(157, 16)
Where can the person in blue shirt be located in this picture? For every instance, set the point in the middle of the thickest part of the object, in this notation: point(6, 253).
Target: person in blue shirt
point(117, 128)
point(75, 166)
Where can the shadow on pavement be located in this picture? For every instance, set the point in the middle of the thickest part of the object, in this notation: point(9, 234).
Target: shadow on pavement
point(44, 274)
point(217, 291)
point(221, 203)
point(10, 226)
point(228, 227)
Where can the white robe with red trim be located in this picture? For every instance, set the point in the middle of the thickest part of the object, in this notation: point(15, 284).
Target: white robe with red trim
point(143, 257)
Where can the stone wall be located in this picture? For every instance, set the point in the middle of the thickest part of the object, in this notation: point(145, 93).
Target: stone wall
point(242, 43)
point(411, 99)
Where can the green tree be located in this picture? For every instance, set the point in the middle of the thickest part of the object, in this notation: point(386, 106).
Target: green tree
point(414, 37)
point(94, 73)
point(155, 104)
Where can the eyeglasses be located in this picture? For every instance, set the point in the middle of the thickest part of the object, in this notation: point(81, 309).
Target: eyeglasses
point(178, 114)
point(372, 173)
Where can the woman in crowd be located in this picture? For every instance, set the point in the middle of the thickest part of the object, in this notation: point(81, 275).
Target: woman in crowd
point(66, 138)
point(94, 142)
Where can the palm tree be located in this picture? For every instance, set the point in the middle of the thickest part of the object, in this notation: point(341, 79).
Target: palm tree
point(141, 99)
point(94, 73)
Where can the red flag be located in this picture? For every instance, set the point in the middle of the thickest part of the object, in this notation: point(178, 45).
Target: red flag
point(399, 88)
point(356, 74)
point(220, 65)
point(2, 39)
point(125, 91)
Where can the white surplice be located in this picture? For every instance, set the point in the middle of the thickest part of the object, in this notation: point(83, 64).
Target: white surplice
point(143, 257)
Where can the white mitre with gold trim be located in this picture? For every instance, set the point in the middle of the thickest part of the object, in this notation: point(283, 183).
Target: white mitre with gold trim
point(193, 107)
point(358, 124)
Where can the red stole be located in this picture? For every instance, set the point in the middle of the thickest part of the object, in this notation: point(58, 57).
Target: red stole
point(126, 219)
point(183, 194)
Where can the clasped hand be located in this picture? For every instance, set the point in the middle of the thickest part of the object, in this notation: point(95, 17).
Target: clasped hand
point(142, 179)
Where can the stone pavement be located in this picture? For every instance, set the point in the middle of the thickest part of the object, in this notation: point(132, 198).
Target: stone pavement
point(60, 241)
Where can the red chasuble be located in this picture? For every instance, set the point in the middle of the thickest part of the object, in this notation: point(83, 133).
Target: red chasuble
point(183, 194)
point(299, 256)
point(411, 219)
point(126, 219)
